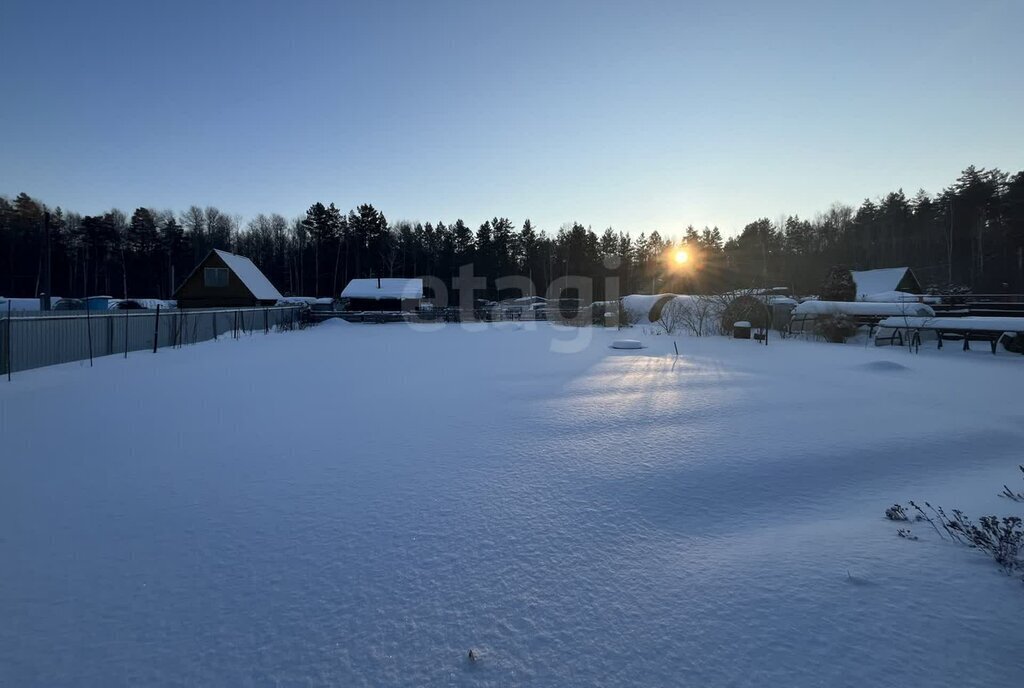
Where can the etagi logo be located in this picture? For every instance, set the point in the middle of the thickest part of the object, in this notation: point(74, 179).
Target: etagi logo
point(569, 298)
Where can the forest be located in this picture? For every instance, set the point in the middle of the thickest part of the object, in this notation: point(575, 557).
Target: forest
point(969, 236)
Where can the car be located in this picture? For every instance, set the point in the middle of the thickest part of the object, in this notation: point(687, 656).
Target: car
point(126, 305)
point(69, 305)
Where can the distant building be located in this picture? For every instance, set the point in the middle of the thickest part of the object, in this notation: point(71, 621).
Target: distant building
point(383, 294)
point(224, 280)
point(883, 284)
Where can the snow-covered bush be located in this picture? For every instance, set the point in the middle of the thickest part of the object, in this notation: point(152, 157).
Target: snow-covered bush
point(835, 327)
point(699, 316)
point(694, 315)
point(671, 316)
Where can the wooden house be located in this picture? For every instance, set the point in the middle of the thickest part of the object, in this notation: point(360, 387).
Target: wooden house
point(226, 280)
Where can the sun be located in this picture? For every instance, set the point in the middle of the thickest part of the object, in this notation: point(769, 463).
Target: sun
point(681, 256)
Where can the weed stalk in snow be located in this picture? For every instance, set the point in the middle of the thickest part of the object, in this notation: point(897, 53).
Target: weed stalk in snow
point(1010, 494)
point(1000, 538)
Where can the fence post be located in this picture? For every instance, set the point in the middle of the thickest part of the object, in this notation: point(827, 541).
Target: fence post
point(234, 329)
point(156, 328)
point(266, 321)
point(7, 344)
point(214, 316)
point(126, 333)
point(88, 329)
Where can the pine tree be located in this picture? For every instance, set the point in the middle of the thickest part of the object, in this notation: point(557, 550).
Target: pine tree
point(839, 285)
point(172, 238)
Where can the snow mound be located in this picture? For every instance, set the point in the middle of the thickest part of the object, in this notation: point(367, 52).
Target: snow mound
point(332, 323)
point(627, 344)
point(883, 366)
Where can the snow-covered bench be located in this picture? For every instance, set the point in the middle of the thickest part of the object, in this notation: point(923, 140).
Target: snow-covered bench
point(978, 329)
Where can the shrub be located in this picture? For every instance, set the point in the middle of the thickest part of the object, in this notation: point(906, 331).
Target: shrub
point(835, 327)
point(896, 513)
point(748, 308)
point(609, 314)
point(1002, 539)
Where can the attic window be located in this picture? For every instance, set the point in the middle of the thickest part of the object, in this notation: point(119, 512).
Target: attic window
point(215, 277)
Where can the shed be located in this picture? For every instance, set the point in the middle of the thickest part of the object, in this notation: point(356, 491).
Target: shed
point(383, 294)
point(879, 285)
point(226, 280)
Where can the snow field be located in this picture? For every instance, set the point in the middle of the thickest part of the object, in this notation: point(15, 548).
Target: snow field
point(360, 505)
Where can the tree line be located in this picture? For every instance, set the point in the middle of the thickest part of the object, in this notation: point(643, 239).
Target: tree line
point(970, 235)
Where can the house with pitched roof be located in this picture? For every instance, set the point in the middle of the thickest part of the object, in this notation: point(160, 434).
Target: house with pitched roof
point(886, 284)
point(226, 280)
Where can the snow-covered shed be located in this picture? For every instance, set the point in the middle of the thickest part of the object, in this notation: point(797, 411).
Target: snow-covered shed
point(226, 280)
point(879, 285)
point(383, 294)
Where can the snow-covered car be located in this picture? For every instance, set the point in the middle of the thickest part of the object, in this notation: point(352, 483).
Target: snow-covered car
point(69, 305)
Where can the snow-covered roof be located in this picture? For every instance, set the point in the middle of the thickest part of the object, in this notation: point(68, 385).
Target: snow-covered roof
point(877, 281)
point(862, 308)
point(384, 288)
point(973, 323)
point(24, 304)
point(888, 297)
point(250, 275)
point(640, 305)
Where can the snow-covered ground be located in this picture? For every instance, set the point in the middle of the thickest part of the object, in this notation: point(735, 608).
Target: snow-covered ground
point(361, 505)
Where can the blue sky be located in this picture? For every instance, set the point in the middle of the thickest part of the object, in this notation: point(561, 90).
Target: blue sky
point(639, 115)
